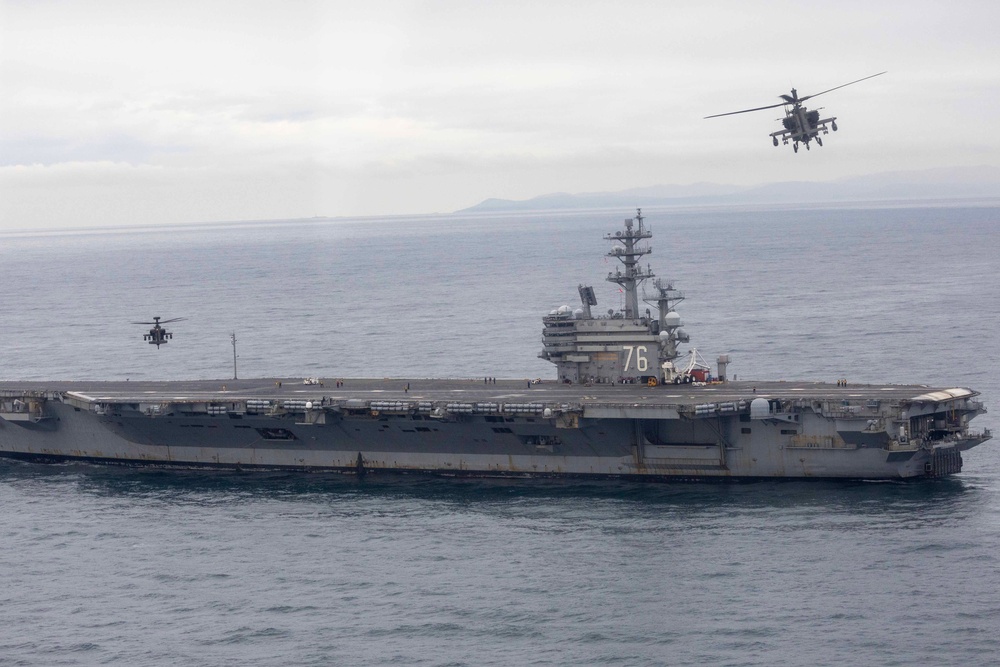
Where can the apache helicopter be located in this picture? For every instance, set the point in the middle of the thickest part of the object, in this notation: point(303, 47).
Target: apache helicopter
point(800, 124)
point(158, 335)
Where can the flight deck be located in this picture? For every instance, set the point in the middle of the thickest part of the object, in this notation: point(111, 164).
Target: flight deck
point(480, 390)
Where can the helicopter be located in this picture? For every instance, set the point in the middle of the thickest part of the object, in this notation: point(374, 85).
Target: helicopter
point(158, 335)
point(800, 124)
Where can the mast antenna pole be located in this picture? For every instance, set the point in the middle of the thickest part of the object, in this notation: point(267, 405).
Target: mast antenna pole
point(232, 338)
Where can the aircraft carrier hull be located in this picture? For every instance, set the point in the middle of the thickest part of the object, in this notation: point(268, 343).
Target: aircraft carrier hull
point(623, 406)
point(511, 428)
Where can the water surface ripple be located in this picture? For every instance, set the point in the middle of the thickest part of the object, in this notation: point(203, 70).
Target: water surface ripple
point(145, 567)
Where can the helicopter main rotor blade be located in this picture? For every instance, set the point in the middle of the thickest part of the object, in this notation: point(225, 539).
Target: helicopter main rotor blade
point(176, 319)
point(803, 99)
point(770, 106)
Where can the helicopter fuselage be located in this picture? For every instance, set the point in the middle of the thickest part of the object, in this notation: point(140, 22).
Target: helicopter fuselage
point(158, 335)
point(802, 125)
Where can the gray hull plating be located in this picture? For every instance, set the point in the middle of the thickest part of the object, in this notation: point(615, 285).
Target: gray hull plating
point(616, 431)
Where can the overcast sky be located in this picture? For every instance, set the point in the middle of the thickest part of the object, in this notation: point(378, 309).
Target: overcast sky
point(116, 113)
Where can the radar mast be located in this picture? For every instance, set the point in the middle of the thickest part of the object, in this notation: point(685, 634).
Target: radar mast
point(629, 253)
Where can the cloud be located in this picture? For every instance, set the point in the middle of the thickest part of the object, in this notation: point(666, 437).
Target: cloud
point(438, 103)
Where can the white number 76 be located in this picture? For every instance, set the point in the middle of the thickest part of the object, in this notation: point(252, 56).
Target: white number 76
point(641, 364)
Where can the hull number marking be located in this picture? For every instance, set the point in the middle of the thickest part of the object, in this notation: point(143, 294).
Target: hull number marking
point(639, 352)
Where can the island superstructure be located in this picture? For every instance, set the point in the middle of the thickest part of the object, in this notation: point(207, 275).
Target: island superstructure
point(625, 404)
point(628, 345)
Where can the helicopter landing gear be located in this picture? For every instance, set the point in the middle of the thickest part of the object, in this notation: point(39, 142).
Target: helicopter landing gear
point(807, 145)
point(795, 147)
point(833, 126)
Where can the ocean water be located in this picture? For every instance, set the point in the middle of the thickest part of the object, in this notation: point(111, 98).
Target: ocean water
point(117, 566)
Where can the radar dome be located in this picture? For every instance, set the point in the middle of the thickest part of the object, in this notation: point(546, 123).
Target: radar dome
point(760, 408)
point(672, 319)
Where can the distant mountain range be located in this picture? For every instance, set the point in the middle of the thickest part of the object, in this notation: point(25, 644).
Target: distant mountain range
point(940, 183)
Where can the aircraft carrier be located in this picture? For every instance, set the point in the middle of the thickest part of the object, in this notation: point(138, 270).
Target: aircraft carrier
point(625, 403)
